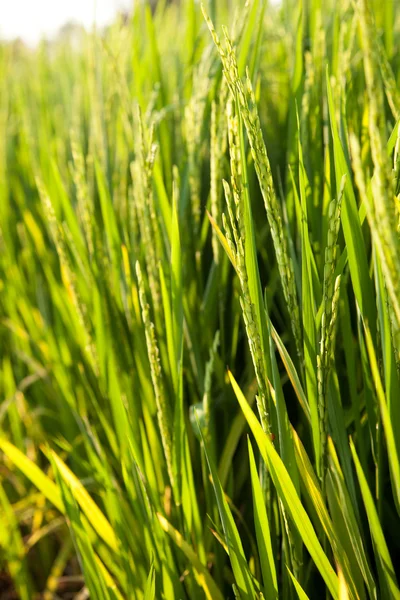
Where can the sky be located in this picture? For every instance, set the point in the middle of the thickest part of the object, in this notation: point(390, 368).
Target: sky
point(32, 19)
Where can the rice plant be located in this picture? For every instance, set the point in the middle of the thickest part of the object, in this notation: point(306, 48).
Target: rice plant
point(200, 305)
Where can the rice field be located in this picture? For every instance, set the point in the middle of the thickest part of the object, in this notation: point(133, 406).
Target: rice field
point(200, 305)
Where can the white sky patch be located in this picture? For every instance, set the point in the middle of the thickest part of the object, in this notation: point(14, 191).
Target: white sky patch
point(33, 19)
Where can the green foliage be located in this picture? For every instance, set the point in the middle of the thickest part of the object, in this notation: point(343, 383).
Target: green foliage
point(199, 305)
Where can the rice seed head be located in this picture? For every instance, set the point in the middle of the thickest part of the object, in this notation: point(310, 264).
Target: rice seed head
point(244, 95)
point(142, 173)
point(331, 288)
point(237, 246)
point(85, 206)
point(163, 409)
point(215, 157)
point(68, 273)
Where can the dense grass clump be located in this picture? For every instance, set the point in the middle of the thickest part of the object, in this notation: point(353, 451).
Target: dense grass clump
point(200, 305)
